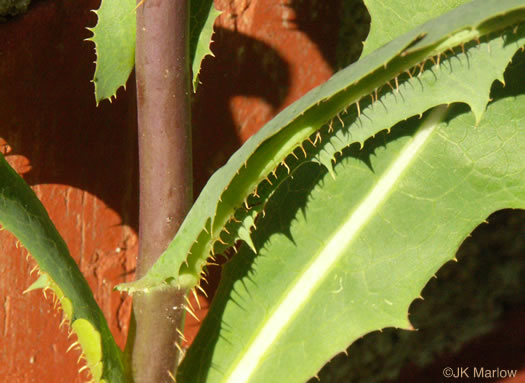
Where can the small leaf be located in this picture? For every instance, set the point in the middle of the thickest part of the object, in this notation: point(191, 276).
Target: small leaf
point(114, 38)
point(203, 15)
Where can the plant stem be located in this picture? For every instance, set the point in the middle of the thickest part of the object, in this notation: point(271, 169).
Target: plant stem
point(165, 163)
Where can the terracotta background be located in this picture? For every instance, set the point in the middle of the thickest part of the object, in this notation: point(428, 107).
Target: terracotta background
point(82, 160)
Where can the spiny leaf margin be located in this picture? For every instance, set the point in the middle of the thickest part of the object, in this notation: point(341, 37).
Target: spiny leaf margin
point(463, 173)
point(202, 17)
point(22, 214)
point(114, 37)
point(266, 150)
point(465, 75)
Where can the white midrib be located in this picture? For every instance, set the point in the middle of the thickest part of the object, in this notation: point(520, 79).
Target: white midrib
point(328, 256)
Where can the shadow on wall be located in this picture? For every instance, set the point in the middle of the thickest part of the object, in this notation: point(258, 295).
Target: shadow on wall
point(243, 66)
point(49, 109)
point(50, 115)
point(337, 27)
point(246, 68)
point(51, 118)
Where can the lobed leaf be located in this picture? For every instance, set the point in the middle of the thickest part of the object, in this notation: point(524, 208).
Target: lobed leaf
point(464, 76)
point(339, 258)
point(23, 214)
point(275, 146)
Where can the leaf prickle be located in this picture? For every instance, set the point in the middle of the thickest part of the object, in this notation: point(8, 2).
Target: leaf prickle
point(293, 136)
point(114, 37)
point(341, 257)
point(24, 216)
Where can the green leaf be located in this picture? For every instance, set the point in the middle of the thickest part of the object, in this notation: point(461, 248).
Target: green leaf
point(339, 258)
point(114, 37)
point(23, 214)
point(279, 144)
point(202, 17)
point(392, 18)
point(463, 77)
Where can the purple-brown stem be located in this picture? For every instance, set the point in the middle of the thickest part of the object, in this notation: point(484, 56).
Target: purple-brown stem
point(165, 163)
